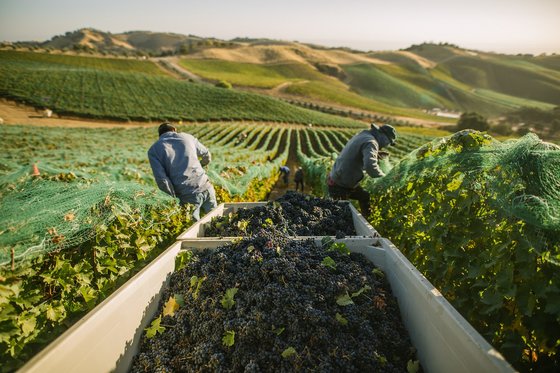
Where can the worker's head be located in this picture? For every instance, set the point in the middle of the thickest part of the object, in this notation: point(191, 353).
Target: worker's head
point(385, 135)
point(166, 127)
point(390, 132)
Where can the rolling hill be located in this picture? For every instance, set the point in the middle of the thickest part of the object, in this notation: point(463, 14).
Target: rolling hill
point(408, 83)
point(397, 83)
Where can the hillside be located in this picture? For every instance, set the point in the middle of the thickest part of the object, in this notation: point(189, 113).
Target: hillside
point(125, 89)
point(406, 83)
point(396, 83)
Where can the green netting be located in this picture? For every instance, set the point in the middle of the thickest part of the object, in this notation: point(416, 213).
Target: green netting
point(40, 214)
point(83, 169)
point(521, 176)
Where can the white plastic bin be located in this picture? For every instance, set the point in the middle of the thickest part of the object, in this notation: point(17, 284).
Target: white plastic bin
point(107, 338)
point(363, 228)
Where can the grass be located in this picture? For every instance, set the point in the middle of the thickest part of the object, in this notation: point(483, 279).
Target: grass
point(483, 101)
point(436, 53)
point(250, 74)
point(389, 85)
point(307, 83)
point(510, 77)
point(66, 62)
point(422, 131)
point(341, 95)
point(490, 84)
point(114, 94)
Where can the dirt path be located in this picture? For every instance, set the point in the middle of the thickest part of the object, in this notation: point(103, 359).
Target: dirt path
point(280, 188)
point(172, 65)
point(14, 113)
point(280, 87)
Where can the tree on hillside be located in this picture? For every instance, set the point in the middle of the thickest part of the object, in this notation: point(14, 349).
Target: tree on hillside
point(473, 121)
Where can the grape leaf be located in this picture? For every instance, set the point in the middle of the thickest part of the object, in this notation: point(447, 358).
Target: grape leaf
point(378, 272)
point(170, 307)
point(366, 287)
point(229, 338)
point(329, 262)
point(28, 325)
point(55, 313)
point(278, 331)
point(196, 283)
point(340, 247)
point(380, 358)
point(344, 300)
point(341, 319)
point(182, 259)
point(179, 299)
point(227, 299)
point(412, 366)
point(154, 328)
point(290, 351)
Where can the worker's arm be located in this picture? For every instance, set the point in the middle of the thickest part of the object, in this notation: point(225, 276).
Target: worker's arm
point(370, 153)
point(203, 153)
point(162, 180)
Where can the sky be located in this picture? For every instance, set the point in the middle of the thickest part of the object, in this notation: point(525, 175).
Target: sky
point(504, 26)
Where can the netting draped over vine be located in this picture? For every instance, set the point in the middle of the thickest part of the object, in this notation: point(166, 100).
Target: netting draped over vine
point(38, 215)
point(522, 176)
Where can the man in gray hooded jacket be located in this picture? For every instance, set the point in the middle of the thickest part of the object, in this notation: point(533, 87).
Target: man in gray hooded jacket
point(360, 154)
point(178, 171)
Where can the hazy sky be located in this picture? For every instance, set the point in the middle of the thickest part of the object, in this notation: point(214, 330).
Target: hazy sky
point(510, 26)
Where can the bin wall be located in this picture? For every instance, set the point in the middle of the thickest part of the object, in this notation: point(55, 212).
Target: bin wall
point(445, 341)
point(108, 337)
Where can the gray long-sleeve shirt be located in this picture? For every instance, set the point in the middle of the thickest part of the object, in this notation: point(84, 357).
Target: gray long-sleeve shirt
point(175, 164)
point(357, 156)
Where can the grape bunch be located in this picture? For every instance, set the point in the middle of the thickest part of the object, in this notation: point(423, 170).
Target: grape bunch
point(294, 213)
point(289, 312)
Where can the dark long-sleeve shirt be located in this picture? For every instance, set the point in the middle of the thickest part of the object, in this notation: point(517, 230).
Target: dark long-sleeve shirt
point(358, 155)
point(176, 166)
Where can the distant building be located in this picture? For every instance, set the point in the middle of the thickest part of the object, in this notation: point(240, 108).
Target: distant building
point(444, 113)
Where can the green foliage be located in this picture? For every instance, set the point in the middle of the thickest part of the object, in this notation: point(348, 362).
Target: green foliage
point(478, 219)
point(341, 319)
point(359, 292)
point(251, 74)
point(43, 296)
point(346, 299)
point(224, 84)
point(242, 225)
point(154, 328)
point(514, 76)
point(183, 259)
point(228, 339)
point(413, 366)
point(473, 121)
point(123, 95)
point(340, 247)
point(61, 62)
point(545, 122)
point(329, 262)
point(196, 285)
point(278, 331)
point(289, 352)
point(397, 87)
point(227, 300)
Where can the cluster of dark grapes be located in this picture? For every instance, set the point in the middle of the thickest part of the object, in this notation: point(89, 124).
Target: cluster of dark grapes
point(285, 317)
point(294, 213)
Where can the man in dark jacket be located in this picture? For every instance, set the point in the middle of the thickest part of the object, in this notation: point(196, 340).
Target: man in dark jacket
point(358, 155)
point(298, 178)
point(178, 171)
